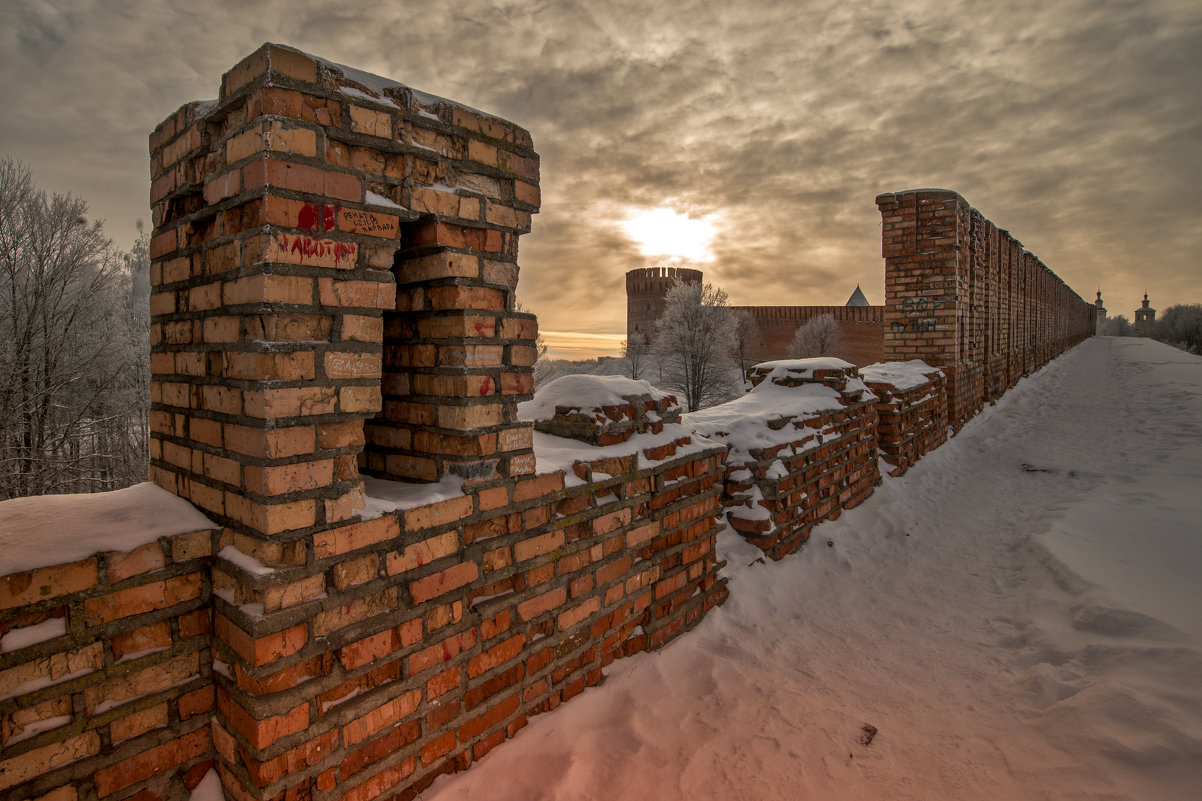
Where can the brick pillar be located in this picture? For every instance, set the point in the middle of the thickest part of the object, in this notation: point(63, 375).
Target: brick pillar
point(928, 278)
point(286, 213)
point(270, 273)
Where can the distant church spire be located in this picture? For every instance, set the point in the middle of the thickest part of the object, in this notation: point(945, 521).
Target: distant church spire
point(1145, 318)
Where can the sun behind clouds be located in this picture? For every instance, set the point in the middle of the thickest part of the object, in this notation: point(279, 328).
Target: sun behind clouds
point(664, 233)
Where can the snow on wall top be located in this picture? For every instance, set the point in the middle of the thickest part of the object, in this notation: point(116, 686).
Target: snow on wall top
point(760, 418)
point(804, 367)
point(584, 392)
point(902, 375)
point(377, 88)
point(48, 530)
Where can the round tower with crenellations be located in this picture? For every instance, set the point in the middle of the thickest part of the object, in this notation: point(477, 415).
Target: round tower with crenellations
point(646, 289)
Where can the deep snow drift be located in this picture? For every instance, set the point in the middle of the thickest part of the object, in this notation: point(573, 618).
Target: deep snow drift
point(1019, 617)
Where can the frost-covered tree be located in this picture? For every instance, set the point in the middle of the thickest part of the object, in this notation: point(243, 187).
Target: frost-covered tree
point(692, 343)
point(747, 332)
point(818, 337)
point(635, 350)
point(1118, 326)
point(72, 347)
point(544, 367)
point(1181, 327)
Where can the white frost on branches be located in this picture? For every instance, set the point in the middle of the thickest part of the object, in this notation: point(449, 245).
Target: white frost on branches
point(818, 337)
point(693, 342)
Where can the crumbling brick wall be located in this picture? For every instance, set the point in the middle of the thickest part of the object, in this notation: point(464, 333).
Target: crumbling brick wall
point(820, 458)
point(392, 587)
point(964, 296)
point(911, 409)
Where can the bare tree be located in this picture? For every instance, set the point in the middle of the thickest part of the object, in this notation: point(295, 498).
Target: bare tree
point(747, 332)
point(692, 341)
point(69, 394)
point(818, 337)
point(635, 350)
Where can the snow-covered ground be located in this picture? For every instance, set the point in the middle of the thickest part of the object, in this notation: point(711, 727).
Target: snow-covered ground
point(1019, 617)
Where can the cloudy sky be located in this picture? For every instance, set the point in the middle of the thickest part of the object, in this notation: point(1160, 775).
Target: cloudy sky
point(761, 129)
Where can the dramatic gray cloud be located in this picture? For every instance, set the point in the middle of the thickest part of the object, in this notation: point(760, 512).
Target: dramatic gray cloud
point(1077, 125)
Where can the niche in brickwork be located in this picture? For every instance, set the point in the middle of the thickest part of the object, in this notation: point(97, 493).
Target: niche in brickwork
point(454, 364)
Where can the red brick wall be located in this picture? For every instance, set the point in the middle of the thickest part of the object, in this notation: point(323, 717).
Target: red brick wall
point(964, 296)
point(861, 331)
point(333, 267)
point(124, 698)
point(911, 419)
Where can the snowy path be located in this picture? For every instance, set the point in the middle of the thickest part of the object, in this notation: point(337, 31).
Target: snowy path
point(1020, 616)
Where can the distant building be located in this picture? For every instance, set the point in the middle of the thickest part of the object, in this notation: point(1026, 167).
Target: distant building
point(861, 325)
point(857, 298)
point(1101, 315)
point(1145, 319)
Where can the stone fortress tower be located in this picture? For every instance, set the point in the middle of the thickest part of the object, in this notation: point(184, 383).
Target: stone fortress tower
point(646, 289)
point(1101, 314)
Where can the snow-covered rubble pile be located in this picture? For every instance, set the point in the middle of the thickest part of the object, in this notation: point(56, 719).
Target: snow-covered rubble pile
point(624, 425)
point(912, 410)
point(802, 448)
point(599, 410)
point(780, 408)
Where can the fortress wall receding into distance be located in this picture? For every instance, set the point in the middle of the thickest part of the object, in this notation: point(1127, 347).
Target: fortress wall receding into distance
point(963, 295)
point(389, 583)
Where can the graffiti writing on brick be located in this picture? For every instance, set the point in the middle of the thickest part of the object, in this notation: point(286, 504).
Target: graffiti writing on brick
point(514, 439)
point(312, 216)
point(922, 305)
point(912, 326)
point(294, 249)
point(919, 311)
point(367, 223)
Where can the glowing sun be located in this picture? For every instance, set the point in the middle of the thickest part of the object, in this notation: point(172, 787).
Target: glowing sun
point(665, 233)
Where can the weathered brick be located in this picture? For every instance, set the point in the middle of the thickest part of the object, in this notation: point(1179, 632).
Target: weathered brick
point(31, 586)
point(141, 599)
point(262, 733)
point(139, 723)
point(443, 582)
point(261, 650)
point(533, 607)
point(381, 717)
point(337, 541)
point(31, 764)
point(438, 514)
point(424, 552)
point(149, 680)
point(541, 545)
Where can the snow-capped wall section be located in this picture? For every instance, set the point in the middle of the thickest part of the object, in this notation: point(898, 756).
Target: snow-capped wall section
point(801, 449)
point(600, 410)
point(105, 644)
point(911, 408)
